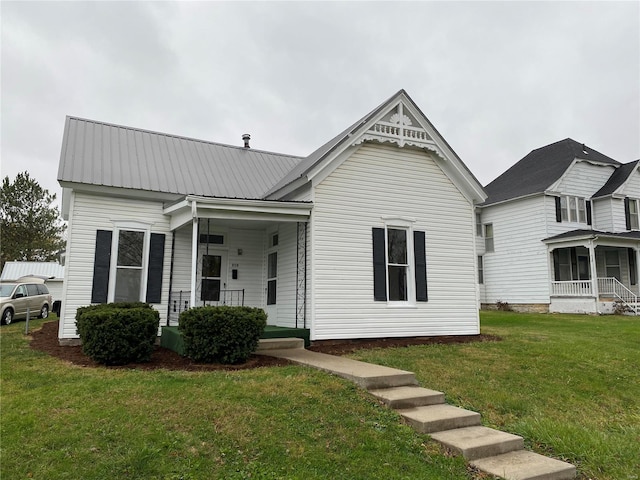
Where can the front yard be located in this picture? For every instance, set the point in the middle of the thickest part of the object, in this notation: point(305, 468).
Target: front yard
point(569, 384)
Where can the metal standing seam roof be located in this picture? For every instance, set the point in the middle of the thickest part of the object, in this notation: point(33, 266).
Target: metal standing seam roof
point(14, 270)
point(540, 169)
point(633, 235)
point(99, 153)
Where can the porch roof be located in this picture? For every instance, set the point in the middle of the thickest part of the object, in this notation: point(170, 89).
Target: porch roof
point(583, 234)
point(236, 209)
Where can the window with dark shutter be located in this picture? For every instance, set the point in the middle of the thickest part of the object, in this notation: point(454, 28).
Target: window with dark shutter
point(589, 219)
point(558, 210)
point(420, 256)
point(379, 265)
point(101, 265)
point(627, 214)
point(156, 263)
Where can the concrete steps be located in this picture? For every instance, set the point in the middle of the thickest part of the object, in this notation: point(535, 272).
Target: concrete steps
point(492, 451)
point(478, 441)
point(279, 343)
point(408, 396)
point(436, 418)
point(525, 465)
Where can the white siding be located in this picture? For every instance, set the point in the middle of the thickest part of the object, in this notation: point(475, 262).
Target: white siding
point(89, 214)
point(380, 181)
point(584, 179)
point(517, 271)
point(602, 214)
point(617, 214)
point(632, 186)
point(287, 268)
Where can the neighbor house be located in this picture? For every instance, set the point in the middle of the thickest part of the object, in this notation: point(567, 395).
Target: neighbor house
point(371, 235)
point(560, 232)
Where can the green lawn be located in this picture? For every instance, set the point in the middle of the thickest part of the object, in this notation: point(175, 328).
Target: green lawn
point(66, 422)
point(569, 384)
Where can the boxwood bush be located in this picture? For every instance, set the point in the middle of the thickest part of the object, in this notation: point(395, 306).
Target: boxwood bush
point(221, 334)
point(118, 333)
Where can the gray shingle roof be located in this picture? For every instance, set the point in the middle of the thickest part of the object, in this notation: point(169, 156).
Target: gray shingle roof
point(617, 179)
point(633, 235)
point(99, 153)
point(540, 169)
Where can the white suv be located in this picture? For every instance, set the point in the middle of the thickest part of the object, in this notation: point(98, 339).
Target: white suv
point(25, 294)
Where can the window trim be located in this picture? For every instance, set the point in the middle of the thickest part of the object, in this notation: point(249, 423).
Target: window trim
point(407, 226)
point(145, 228)
point(489, 240)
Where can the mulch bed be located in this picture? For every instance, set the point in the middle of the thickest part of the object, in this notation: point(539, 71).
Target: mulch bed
point(46, 340)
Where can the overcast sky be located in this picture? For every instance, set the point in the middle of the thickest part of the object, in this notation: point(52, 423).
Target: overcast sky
point(497, 79)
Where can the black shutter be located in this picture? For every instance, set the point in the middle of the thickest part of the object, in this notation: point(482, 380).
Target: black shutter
point(101, 265)
point(420, 257)
point(156, 262)
point(589, 222)
point(558, 210)
point(556, 265)
point(627, 213)
point(379, 265)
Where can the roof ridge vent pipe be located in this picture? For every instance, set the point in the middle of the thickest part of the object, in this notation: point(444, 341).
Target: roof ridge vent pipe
point(246, 137)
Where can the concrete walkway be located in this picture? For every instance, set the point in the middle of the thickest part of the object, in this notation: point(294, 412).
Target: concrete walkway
point(498, 453)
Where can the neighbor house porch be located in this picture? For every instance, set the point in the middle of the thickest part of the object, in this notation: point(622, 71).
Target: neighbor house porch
point(592, 272)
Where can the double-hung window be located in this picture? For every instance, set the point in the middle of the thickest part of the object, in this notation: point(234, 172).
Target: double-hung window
point(572, 209)
point(631, 211)
point(128, 264)
point(488, 238)
point(129, 267)
point(399, 264)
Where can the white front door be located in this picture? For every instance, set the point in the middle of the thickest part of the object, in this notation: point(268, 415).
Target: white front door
point(213, 278)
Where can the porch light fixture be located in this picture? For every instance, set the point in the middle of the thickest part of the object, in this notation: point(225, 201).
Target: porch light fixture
point(239, 251)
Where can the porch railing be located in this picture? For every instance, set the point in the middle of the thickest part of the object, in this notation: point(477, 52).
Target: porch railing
point(611, 286)
point(179, 301)
point(573, 288)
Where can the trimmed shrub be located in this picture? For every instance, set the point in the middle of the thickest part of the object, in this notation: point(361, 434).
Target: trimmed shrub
point(221, 334)
point(118, 333)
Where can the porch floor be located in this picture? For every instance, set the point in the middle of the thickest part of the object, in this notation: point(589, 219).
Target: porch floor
point(172, 339)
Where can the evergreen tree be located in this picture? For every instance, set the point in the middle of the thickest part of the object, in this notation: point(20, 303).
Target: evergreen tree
point(30, 227)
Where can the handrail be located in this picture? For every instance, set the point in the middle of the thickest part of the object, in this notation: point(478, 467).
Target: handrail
point(179, 301)
point(612, 286)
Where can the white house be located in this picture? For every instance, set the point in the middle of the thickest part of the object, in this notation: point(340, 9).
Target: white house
point(372, 235)
point(561, 232)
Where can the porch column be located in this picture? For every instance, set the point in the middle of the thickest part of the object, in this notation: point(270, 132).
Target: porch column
point(594, 272)
point(637, 252)
point(194, 254)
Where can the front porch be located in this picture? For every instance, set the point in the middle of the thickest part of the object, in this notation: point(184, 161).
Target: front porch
point(171, 337)
point(594, 272)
